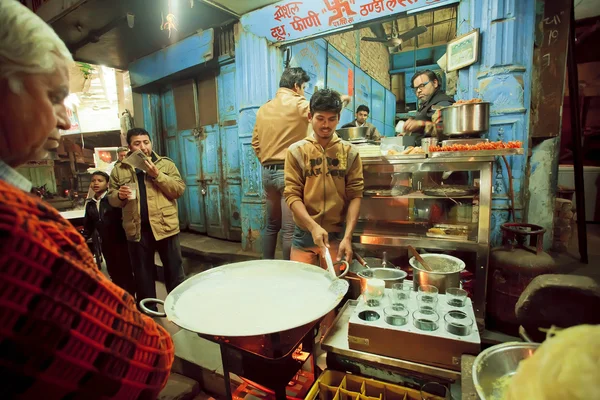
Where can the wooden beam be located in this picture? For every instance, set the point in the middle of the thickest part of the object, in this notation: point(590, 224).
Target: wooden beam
point(577, 145)
point(189, 52)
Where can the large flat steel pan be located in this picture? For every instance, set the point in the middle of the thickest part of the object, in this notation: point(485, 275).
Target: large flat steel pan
point(253, 298)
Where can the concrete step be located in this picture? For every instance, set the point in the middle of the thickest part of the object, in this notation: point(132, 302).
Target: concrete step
point(179, 387)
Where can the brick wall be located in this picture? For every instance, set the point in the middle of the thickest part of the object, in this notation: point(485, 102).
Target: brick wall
point(374, 57)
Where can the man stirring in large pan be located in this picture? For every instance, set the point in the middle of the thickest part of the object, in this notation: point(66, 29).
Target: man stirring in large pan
point(323, 185)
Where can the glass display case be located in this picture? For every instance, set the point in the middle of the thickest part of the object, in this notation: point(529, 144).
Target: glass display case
point(435, 204)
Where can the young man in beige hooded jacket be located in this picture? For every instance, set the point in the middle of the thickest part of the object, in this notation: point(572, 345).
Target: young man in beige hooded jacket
point(323, 185)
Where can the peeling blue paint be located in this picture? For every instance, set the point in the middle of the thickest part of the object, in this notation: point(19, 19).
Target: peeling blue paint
point(542, 186)
point(503, 77)
point(258, 67)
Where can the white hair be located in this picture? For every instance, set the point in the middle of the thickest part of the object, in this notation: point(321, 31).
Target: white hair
point(27, 44)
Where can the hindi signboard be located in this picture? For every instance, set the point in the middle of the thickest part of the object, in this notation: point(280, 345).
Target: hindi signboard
point(292, 20)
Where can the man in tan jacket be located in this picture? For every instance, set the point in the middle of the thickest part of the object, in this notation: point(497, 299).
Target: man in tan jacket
point(150, 219)
point(323, 185)
point(279, 123)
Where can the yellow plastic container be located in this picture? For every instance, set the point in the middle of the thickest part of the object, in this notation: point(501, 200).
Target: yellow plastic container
point(335, 385)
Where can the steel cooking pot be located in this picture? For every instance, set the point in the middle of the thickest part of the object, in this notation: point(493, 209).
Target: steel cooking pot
point(494, 366)
point(441, 280)
point(252, 298)
point(388, 275)
point(356, 133)
point(465, 119)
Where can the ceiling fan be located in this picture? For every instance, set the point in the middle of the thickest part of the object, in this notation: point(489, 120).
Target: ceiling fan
point(394, 40)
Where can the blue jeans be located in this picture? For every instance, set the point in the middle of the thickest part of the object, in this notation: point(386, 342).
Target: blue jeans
point(279, 215)
point(305, 250)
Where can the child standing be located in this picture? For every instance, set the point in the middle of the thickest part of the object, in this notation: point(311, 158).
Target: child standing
point(107, 220)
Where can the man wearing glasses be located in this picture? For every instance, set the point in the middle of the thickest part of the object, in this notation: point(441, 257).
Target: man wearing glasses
point(428, 89)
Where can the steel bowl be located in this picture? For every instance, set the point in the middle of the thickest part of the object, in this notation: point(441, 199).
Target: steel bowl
point(494, 366)
point(388, 275)
point(353, 134)
point(466, 119)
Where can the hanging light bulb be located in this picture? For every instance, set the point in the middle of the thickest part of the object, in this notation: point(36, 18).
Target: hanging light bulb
point(130, 20)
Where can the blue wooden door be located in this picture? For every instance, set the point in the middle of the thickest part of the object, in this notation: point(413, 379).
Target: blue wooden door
point(201, 136)
point(229, 153)
point(212, 181)
point(183, 147)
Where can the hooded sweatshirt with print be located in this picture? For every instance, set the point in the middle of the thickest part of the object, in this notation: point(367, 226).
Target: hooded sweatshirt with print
point(325, 180)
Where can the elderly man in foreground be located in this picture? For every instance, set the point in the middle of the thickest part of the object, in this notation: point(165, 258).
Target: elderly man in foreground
point(66, 331)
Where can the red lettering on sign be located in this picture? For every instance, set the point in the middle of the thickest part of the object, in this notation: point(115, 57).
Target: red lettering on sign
point(286, 10)
point(391, 4)
point(375, 5)
point(300, 24)
point(278, 32)
point(339, 8)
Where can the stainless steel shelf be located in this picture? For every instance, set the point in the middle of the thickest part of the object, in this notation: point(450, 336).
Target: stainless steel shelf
point(384, 213)
point(457, 155)
point(438, 159)
point(421, 242)
point(421, 196)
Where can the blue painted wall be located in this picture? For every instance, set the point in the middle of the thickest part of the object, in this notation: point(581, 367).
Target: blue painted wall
point(409, 62)
point(328, 67)
point(339, 71)
point(189, 52)
point(258, 67)
point(502, 77)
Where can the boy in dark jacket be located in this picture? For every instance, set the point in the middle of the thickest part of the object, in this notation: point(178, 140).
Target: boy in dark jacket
point(107, 220)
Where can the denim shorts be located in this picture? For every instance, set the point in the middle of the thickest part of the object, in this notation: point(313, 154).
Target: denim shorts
point(303, 239)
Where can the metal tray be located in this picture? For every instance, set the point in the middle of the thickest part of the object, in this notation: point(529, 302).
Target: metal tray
point(405, 156)
point(451, 142)
point(458, 191)
point(449, 237)
point(477, 153)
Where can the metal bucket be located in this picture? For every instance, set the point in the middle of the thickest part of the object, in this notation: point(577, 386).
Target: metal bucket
point(350, 134)
point(441, 280)
point(466, 119)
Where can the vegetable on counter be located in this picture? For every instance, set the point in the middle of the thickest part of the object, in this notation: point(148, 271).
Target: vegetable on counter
point(479, 146)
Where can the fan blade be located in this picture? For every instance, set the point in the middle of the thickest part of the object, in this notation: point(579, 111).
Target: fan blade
point(393, 42)
point(379, 31)
point(372, 39)
point(414, 32)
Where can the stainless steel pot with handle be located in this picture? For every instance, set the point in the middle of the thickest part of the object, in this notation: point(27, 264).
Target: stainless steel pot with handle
point(465, 119)
point(252, 298)
point(441, 280)
point(356, 133)
point(388, 275)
